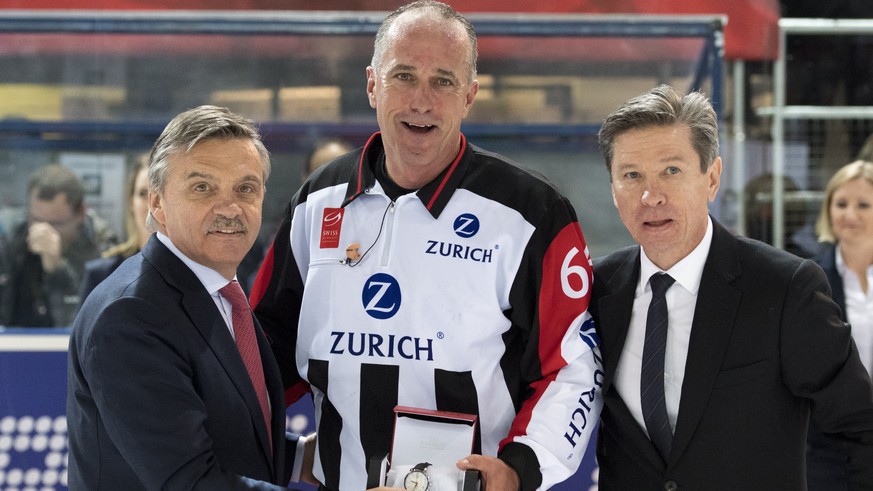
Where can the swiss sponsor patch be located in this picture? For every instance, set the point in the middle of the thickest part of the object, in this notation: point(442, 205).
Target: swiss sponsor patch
point(331, 223)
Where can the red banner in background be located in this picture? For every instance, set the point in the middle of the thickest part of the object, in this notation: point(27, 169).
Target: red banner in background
point(751, 32)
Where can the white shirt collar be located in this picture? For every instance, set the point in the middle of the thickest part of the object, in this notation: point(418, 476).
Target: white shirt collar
point(843, 270)
point(687, 272)
point(212, 280)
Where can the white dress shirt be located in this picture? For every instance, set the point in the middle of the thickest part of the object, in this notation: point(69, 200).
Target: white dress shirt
point(212, 280)
point(859, 309)
point(681, 300)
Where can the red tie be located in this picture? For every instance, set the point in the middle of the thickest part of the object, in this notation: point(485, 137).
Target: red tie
point(247, 343)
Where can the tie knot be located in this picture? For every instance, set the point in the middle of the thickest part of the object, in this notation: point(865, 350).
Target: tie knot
point(660, 283)
point(235, 295)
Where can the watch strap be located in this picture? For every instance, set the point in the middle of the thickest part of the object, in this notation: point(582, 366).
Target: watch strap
point(421, 466)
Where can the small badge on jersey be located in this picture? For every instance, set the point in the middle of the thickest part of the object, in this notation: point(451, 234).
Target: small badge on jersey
point(331, 223)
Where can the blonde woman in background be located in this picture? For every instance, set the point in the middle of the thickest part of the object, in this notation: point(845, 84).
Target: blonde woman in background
point(97, 270)
point(845, 226)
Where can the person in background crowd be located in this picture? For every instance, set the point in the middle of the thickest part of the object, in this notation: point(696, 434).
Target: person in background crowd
point(759, 213)
point(717, 349)
point(171, 382)
point(845, 226)
point(470, 276)
point(47, 253)
point(96, 270)
point(323, 152)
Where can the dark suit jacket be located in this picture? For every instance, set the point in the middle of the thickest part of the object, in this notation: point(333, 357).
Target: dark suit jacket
point(158, 395)
point(827, 259)
point(97, 270)
point(767, 344)
point(825, 463)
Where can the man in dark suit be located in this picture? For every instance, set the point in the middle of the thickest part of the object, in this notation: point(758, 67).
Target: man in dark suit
point(172, 384)
point(749, 346)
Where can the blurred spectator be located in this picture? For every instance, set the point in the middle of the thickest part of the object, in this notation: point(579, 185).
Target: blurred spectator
point(759, 213)
point(96, 270)
point(321, 153)
point(324, 152)
point(845, 225)
point(47, 253)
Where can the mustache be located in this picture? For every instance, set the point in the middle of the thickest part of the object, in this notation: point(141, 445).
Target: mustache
point(224, 224)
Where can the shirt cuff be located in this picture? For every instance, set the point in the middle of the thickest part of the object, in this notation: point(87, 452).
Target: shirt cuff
point(298, 458)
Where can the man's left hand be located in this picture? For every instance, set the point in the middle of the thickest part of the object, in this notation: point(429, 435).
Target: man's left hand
point(495, 474)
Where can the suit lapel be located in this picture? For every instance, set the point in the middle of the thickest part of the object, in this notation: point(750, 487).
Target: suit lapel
point(616, 304)
point(275, 388)
point(205, 317)
point(717, 303)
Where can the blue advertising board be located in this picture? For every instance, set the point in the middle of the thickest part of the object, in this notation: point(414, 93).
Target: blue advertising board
point(33, 424)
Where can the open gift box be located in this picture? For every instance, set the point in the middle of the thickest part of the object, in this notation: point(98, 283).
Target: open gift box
point(432, 442)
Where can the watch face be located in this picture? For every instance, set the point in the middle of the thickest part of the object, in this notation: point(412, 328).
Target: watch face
point(416, 480)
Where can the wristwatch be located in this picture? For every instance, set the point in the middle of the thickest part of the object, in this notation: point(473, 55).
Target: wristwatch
point(417, 479)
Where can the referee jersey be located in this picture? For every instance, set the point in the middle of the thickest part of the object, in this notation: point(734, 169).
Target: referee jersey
point(471, 296)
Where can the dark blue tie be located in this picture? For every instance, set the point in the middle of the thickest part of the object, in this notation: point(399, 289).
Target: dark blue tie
point(652, 373)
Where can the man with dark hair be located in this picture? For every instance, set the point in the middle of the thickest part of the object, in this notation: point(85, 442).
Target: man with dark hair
point(717, 349)
point(47, 254)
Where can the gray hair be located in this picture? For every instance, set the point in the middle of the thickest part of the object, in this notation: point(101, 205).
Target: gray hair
point(192, 127)
point(664, 106)
point(442, 11)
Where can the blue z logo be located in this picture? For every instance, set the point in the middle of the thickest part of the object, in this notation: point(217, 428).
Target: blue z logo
point(381, 296)
point(588, 334)
point(466, 225)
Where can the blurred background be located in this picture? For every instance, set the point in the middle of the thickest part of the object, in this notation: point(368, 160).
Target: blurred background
point(91, 86)
point(91, 83)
